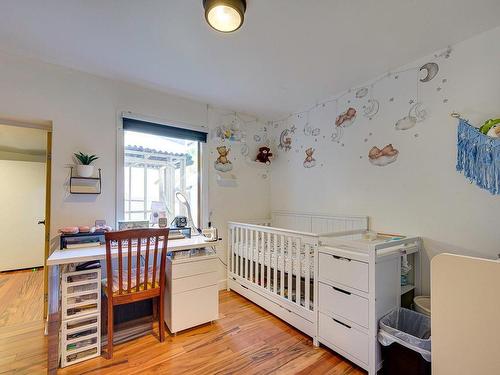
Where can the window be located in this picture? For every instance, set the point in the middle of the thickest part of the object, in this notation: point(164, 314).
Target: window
point(158, 161)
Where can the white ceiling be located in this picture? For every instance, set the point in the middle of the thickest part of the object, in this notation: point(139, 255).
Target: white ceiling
point(287, 55)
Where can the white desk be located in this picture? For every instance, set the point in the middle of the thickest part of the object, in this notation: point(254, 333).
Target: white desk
point(67, 256)
point(85, 254)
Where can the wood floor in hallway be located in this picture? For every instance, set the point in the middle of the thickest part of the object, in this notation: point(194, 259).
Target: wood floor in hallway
point(245, 340)
point(23, 346)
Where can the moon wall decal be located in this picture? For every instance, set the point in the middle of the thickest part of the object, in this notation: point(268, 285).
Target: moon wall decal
point(431, 69)
point(372, 108)
point(418, 111)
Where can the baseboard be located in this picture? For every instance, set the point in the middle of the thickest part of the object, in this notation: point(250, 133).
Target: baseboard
point(222, 284)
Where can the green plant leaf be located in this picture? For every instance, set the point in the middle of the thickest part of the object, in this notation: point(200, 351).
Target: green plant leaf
point(85, 159)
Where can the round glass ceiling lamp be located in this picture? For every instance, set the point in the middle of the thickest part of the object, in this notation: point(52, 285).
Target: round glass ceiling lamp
point(225, 15)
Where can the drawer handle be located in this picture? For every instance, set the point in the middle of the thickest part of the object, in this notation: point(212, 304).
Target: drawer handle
point(341, 258)
point(341, 291)
point(342, 324)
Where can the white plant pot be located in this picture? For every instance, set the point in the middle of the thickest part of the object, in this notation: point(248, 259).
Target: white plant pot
point(85, 170)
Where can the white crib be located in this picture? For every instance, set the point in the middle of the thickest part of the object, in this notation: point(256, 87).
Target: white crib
point(271, 262)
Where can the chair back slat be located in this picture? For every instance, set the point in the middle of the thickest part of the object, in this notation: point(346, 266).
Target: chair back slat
point(155, 260)
point(138, 265)
point(120, 266)
point(129, 263)
point(146, 264)
point(144, 241)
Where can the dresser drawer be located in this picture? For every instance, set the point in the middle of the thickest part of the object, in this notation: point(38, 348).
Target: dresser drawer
point(345, 271)
point(333, 300)
point(192, 268)
point(192, 308)
point(344, 337)
point(193, 282)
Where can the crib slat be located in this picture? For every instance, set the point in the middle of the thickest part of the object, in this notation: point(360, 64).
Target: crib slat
point(268, 263)
point(251, 254)
point(282, 268)
point(290, 265)
point(275, 277)
point(307, 265)
point(298, 273)
point(231, 251)
point(257, 258)
point(247, 252)
point(240, 250)
point(262, 264)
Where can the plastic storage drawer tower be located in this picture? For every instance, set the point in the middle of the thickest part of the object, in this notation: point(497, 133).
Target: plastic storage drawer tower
point(81, 316)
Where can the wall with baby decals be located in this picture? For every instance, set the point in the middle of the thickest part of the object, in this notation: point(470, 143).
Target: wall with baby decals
point(239, 187)
point(387, 149)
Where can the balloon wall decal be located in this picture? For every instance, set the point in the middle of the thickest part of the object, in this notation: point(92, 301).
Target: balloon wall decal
point(311, 131)
point(361, 93)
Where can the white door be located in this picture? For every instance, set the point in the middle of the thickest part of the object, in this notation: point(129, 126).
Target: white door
point(22, 205)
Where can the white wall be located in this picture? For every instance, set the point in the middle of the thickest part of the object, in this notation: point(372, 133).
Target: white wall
point(83, 109)
point(249, 199)
point(421, 193)
point(22, 202)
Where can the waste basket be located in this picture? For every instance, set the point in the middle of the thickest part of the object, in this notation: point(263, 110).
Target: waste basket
point(405, 336)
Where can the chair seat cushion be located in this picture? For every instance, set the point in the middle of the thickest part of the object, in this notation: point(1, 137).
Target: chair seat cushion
point(133, 280)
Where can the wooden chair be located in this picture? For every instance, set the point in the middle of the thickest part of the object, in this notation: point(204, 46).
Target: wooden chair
point(141, 281)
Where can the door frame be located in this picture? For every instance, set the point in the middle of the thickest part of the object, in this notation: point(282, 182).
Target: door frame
point(48, 176)
point(46, 126)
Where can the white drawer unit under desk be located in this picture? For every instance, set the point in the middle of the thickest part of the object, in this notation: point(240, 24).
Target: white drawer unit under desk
point(358, 283)
point(192, 292)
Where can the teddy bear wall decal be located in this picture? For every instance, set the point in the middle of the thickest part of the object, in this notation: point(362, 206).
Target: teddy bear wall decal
point(383, 157)
point(309, 162)
point(223, 164)
point(264, 155)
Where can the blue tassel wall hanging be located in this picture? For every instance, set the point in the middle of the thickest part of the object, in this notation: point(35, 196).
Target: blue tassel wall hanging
point(478, 157)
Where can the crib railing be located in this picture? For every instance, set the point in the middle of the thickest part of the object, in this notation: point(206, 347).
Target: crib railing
point(277, 260)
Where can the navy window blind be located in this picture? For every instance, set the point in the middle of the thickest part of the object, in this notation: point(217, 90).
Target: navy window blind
point(163, 130)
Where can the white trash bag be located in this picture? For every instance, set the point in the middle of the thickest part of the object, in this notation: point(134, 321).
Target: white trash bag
point(408, 328)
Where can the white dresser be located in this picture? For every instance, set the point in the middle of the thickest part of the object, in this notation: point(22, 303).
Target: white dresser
point(359, 282)
point(192, 293)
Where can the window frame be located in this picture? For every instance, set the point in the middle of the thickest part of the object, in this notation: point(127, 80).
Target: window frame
point(203, 207)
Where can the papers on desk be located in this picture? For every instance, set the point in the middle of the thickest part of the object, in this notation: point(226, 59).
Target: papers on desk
point(82, 244)
point(175, 236)
point(193, 253)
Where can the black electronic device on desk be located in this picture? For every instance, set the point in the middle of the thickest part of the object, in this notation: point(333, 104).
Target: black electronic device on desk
point(78, 240)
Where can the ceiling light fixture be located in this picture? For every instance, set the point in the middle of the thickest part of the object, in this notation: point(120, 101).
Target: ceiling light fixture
point(225, 15)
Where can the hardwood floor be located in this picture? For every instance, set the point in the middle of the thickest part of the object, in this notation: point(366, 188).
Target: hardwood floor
point(245, 340)
point(23, 346)
point(21, 297)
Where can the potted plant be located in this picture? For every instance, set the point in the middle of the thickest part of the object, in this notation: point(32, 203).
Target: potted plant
point(85, 168)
